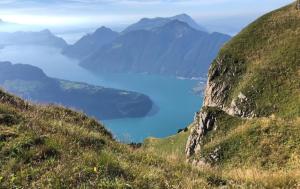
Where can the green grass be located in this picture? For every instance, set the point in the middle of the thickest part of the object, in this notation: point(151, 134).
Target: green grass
point(54, 147)
point(263, 63)
point(172, 147)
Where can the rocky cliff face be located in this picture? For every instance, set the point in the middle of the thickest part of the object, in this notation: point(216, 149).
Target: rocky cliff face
point(216, 96)
point(221, 80)
point(205, 122)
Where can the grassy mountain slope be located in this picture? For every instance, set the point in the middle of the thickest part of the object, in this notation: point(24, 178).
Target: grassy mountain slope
point(48, 146)
point(53, 147)
point(263, 64)
point(171, 148)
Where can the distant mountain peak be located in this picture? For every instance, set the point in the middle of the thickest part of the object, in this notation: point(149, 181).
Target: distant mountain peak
point(151, 23)
point(175, 25)
point(145, 19)
point(183, 15)
point(176, 29)
point(46, 31)
point(90, 42)
point(189, 20)
point(103, 29)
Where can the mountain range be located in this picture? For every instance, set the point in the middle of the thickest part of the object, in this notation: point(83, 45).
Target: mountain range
point(246, 135)
point(44, 37)
point(31, 83)
point(166, 46)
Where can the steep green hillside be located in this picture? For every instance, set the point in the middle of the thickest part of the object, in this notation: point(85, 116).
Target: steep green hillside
point(249, 127)
point(245, 136)
point(263, 64)
point(172, 147)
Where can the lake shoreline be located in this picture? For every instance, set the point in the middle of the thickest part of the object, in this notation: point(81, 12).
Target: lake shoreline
point(173, 99)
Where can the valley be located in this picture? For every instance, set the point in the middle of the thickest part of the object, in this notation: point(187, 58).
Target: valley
point(165, 92)
point(169, 119)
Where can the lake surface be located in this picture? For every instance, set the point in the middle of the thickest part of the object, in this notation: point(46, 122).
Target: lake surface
point(173, 97)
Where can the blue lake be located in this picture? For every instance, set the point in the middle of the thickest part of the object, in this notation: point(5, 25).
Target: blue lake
point(173, 97)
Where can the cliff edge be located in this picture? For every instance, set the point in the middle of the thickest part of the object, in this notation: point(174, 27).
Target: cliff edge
point(250, 115)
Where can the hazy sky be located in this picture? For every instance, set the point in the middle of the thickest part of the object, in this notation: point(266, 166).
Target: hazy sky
point(223, 15)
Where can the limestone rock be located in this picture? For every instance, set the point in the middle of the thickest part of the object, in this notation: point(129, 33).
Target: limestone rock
point(217, 96)
point(205, 121)
point(217, 90)
point(241, 106)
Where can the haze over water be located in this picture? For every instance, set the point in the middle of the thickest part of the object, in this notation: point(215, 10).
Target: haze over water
point(173, 97)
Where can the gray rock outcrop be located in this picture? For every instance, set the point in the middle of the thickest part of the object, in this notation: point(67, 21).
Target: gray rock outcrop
point(217, 94)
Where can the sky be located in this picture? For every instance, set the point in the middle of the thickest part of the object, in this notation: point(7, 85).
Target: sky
point(227, 16)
